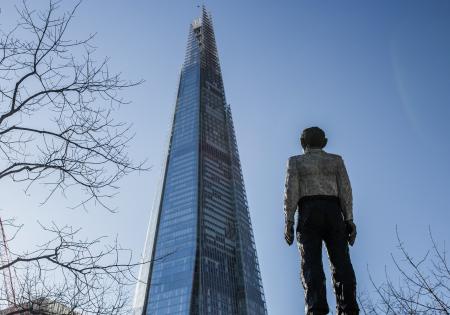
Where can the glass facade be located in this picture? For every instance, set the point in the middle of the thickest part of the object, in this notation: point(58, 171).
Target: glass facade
point(200, 238)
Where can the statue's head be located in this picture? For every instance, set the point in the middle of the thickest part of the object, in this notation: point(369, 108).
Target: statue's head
point(313, 138)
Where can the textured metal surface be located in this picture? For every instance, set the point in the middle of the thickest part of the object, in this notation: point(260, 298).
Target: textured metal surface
point(317, 173)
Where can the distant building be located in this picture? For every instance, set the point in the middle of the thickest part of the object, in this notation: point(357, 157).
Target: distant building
point(39, 307)
point(200, 235)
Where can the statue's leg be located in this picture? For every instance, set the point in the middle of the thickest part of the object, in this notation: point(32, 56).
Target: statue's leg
point(344, 280)
point(313, 278)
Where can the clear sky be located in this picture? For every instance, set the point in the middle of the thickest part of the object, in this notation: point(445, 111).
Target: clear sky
point(375, 75)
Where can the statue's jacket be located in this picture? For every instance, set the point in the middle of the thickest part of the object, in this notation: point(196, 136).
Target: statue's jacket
point(317, 173)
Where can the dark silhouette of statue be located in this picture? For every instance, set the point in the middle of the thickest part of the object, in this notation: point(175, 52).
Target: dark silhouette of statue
point(318, 186)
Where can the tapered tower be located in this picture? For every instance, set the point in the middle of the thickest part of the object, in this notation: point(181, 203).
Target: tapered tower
point(200, 238)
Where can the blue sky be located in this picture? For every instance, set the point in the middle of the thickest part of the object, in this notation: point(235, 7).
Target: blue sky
point(374, 75)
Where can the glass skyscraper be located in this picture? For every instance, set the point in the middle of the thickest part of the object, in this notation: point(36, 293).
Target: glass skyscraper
point(200, 238)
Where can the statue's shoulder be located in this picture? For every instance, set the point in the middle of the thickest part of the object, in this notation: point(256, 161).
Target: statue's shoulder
point(293, 160)
point(334, 157)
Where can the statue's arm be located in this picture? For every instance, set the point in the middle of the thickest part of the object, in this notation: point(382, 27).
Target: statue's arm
point(291, 191)
point(344, 190)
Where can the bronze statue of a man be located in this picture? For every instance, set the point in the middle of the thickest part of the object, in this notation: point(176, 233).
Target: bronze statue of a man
point(318, 185)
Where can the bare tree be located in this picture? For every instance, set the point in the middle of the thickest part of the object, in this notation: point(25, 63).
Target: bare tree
point(56, 122)
point(69, 275)
point(57, 128)
point(423, 286)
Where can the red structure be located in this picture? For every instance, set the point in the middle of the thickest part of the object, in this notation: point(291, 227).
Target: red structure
point(5, 260)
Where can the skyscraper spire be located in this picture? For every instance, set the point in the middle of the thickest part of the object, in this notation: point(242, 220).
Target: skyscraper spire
point(200, 239)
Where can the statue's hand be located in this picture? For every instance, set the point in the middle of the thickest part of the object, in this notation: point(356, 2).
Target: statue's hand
point(351, 231)
point(289, 233)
